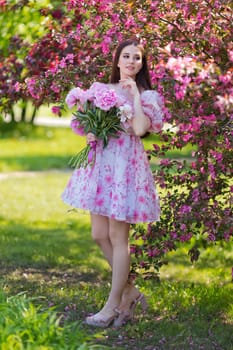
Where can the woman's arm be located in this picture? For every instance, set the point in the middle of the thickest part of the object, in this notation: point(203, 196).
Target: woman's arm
point(140, 123)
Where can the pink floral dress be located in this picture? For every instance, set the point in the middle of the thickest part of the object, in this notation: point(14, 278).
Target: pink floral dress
point(120, 184)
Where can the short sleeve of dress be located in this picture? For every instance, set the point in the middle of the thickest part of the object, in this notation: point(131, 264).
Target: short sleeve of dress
point(152, 105)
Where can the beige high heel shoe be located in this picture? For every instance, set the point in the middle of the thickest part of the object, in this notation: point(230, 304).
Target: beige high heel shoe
point(99, 320)
point(125, 316)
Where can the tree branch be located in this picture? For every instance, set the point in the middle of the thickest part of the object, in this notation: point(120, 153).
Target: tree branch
point(219, 13)
point(184, 35)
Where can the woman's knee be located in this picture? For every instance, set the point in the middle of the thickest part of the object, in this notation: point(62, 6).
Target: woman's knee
point(100, 228)
point(118, 232)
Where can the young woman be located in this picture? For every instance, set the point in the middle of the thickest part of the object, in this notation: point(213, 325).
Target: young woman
point(119, 188)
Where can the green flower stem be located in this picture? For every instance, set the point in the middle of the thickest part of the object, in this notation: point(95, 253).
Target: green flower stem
point(80, 160)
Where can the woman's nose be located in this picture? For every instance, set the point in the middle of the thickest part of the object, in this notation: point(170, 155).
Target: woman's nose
point(131, 59)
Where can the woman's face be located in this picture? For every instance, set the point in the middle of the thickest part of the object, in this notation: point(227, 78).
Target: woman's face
point(130, 62)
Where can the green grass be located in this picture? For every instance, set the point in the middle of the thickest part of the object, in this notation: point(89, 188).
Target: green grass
point(47, 253)
point(52, 274)
point(42, 148)
point(26, 326)
point(38, 148)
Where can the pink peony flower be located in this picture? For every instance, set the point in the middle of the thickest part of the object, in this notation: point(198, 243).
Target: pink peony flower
point(105, 99)
point(76, 96)
point(75, 126)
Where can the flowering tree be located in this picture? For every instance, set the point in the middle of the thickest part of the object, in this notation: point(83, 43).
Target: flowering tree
point(16, 38)
point(191, 55)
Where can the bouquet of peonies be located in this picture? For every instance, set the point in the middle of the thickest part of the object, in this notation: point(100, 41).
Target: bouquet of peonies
point(101, 112)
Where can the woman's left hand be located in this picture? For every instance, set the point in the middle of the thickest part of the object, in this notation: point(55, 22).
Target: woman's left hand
point(130, 85)
point(90, 138)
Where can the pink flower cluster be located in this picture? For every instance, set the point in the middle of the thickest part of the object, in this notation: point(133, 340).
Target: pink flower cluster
point(100, 96)
point(33, 88)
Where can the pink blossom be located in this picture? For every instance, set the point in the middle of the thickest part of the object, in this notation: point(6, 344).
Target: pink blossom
point(153, 252)
point(142, 263)
point(226, 236)
point(216, 155)
point(211, 237)
point(55, 87)
point(210, 118)
point(105, 45)
point(130, 22)
point(72, 4)
point(56, 110)
point(156, 147)
point(33, 88)
point(186, 237)
point(226, 78)
point(173, 235)
point(62, 64)
point(70, 58)
point(133, 249)
point(212, 170)
point(184, 209)
point(195, 195)
point(17, 86)
point(165, 162)
point(181, 66)
point(187, 137)
point(230, 55)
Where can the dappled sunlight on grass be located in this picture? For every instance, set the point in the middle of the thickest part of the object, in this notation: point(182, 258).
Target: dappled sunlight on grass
point(38, 230)
point(39, 149)
point(41, 196)
point(46, 252)
point(214, 264)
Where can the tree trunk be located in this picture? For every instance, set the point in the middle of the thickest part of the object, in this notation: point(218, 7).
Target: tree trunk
point(12, 114)
point(34, 112)
point(23, 111)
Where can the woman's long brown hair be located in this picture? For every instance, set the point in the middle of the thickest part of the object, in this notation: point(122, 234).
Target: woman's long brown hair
point(143, 77)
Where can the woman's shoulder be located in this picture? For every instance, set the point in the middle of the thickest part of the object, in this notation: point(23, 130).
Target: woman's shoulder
point(148, 96)
point(99, 85)
point(150, 92)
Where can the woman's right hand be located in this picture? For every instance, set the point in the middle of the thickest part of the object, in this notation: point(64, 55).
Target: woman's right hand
point(90, 138)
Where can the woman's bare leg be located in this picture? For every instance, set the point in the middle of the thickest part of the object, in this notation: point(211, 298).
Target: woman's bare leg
point(100, 234)
point(119, 235)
